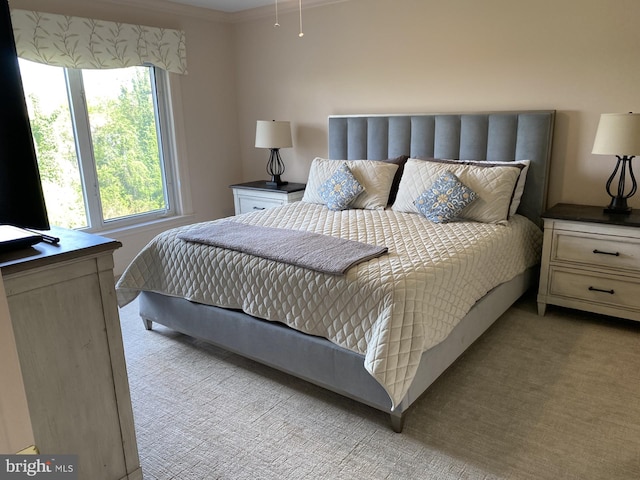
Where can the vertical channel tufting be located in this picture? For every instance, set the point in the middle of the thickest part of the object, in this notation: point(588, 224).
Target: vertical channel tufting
point(473, 137)
point(502, 132)
point(378, 138)
point(422, 136)
point(357, 138)
point(338, 137)
point(503, 136)
point(447, 136)
point(534, 129)
point(399, 136)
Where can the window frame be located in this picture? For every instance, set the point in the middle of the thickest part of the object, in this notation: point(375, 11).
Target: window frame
point(161, 95)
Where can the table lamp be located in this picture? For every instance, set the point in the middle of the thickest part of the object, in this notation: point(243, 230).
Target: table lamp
point(619, 134)
point(274, 135)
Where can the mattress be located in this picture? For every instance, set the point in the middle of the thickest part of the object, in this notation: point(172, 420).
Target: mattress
point(389, 309)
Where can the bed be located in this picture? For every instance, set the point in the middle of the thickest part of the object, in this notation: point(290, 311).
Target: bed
point(384, 331)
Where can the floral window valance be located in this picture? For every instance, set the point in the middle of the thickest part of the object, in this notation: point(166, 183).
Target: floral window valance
point(77, 42)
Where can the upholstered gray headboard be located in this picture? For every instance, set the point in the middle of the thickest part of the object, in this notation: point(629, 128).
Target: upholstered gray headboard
point(497, 136)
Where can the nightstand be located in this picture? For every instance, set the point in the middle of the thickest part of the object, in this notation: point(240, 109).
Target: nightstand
point(252, 196)
point(591, 261)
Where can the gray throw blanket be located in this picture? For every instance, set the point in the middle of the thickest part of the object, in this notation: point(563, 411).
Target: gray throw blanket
point(315, 251)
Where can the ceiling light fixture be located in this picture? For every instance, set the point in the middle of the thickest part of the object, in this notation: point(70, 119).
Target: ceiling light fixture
point(300, 4)
point(276, 24)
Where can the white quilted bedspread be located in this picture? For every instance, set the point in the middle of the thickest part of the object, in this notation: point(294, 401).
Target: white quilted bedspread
point(389, 309)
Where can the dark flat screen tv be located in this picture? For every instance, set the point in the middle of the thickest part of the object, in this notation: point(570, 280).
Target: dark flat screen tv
point(21, 198)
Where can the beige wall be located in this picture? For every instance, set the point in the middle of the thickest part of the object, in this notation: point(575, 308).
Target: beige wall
point(382, 56)
point(205, 104)
point(579, 57)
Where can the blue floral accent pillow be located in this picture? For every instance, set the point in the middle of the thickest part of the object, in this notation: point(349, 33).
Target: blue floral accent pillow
point(445, 199)
point(341, 189)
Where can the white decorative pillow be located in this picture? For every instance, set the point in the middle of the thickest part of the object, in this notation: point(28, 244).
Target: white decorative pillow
point(493, 185)
point(375, 177)
point(340, 189)
point(445, 199)
point(517, 194)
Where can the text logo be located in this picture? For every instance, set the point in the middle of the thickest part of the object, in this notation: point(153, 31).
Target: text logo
point(49, 467)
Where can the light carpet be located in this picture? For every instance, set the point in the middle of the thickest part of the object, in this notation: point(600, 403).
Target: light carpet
point(553, 397)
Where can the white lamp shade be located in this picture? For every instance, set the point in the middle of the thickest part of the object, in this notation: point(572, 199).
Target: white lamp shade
point(618, 134)
point(273, 134)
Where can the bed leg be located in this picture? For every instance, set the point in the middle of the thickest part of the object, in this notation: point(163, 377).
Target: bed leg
point(397, 422)
point(148, 324)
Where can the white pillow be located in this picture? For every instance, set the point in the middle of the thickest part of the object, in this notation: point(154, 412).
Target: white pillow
point(494, 186)
point(517, 194)
point(376, 178)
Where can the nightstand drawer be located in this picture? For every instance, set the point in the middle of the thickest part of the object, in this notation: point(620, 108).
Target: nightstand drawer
point(591, 261)
point(249, 203)
point(594, 287)
point(254, 196)
point(597, 250)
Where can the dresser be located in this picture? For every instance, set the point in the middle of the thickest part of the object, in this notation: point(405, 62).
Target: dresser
point(66, 327)
point(591, 261)
point(252, 196)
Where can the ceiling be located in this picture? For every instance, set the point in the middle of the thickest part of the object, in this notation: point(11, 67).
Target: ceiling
point(226, 5)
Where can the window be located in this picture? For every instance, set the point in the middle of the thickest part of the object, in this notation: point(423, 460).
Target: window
point(102, 142)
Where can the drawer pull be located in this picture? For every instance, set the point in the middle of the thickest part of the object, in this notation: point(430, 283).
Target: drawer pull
point(258, 208)
point(615, 254)
point(594, 289)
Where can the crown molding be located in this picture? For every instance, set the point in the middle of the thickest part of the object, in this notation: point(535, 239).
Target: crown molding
point(174, 9)
point(179, 9)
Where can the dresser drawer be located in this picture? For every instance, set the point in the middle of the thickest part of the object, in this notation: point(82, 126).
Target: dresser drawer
point(598, 250)
point(594, 287)
point(250, 203)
